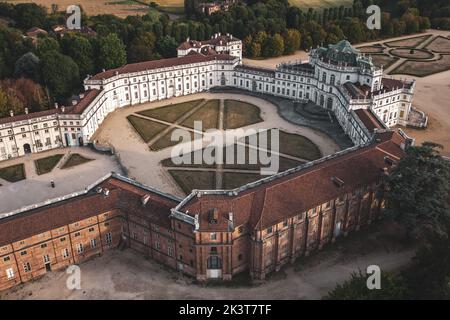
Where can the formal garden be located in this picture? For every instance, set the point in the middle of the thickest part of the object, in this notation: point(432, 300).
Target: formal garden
point(418, 56)
point(155, 126)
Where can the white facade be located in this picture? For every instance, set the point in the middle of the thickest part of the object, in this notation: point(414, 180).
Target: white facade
point(338, 87)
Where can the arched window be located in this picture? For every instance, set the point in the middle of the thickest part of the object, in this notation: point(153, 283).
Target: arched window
point(214, 262)
point(332, 79)
point(324, 77)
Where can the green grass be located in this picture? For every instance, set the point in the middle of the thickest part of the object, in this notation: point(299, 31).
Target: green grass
point(240, 114)
point(171, 113)
point(189, 180)
point(13, 173)
point(294, 145)
point(47, 164)
point(233, 180)
point(423, 68)
point(147, 129)
point(408, 42)
point(384, 60)
point(75, 159)
point(166, 141)
point(208, 114)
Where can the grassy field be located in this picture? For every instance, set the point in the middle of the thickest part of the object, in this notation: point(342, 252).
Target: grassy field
point(233, 180)
point(440, 45)
point(13, 173)
point(147, 129)
point(165, 141)
point(189, 180)
point(384, 60)
point(208, 114)
point(45, 165)
point(320, 4)
point(409, 42)
point(171, 112)
point(75, 159)
point(423, 68)
point(94, 7)
point(240, 114)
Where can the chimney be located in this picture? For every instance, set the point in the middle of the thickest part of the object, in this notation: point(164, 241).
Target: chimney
point(11, 113)
point(74, 102)
point(213, 216)
point(63, 108)
point(99, 190)
point(26, 110)
point(81, 95)
point(106, 192)
point(338, 182)
point(56, 105)
point(145, 199)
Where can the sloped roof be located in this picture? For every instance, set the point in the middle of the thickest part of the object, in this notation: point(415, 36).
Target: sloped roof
point(278, 199)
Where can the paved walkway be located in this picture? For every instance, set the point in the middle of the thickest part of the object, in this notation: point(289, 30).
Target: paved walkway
point(36, 188)
point(144, 165)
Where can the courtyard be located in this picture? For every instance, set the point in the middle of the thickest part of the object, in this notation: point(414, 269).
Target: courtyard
point(125, 274)
point(27, 180)
point(144, 145)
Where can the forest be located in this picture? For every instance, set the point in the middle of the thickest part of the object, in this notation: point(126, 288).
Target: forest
point(52, 68)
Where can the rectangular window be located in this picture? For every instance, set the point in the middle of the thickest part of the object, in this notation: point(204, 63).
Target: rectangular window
point(65, 253)
point(213, 236)
point(10, 273)
point(93, 243)
point(46, 258)
point(108, 238)
point(80, 248)
point(27, 267)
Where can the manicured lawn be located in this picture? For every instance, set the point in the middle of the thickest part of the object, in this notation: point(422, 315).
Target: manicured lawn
point(320, 4)
point(409, 42)
point(423, 68)
point(13, 173)
point(170, 113)
point(233, 180)
point(239, 114)
point(45, 165)
point(75, 159)
point(166, 141)
point(409, 53)
point(440, 44)
point(371, 49)
point(189, 180)
point(384, 60)
point(147, 129)
point(208, 114)
point(294, 145)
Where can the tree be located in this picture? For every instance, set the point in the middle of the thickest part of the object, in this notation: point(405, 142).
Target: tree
point(167, 47)
point(291, 41)
point(255, 50)
point(46, 44)
point(273, 46)
point(142, 48)
point(392, 288)
point(81, 51)
point(60, 74)
point(28, 66)
point(111, 52)
point(29, 15)
point(418, 191)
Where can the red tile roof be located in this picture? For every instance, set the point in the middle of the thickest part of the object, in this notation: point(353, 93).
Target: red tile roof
point(369, 120)
point(284, 197)
point(162, 63)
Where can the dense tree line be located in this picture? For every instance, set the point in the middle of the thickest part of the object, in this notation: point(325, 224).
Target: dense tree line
point(268, 28)
point(418, 199)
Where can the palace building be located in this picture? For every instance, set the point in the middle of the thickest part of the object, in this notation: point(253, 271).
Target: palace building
point(338, 78)
point(211, 234)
